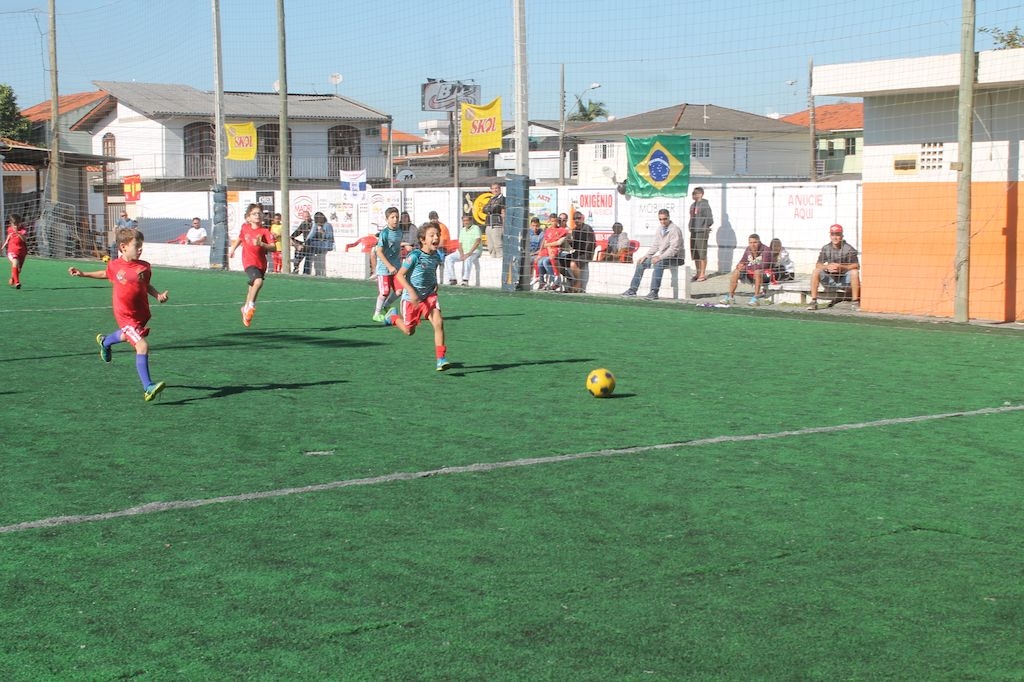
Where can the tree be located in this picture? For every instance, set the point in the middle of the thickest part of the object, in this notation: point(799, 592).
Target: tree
point(12, 124)
point(590, 112)
point(1005, 40)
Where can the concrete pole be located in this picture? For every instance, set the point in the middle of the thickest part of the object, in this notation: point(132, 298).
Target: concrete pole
point(965, 142)
point(284, 146)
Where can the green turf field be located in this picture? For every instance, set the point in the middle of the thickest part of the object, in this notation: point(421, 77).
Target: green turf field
point(767, 497)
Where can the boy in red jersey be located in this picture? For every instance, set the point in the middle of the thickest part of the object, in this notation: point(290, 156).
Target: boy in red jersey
point(16, 247)
point(130, 278)
point(255, 240)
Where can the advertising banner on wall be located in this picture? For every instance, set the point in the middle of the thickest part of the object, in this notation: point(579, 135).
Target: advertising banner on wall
point(643, 217)
point(598, 206)
point(371, 212)
point(543, 202)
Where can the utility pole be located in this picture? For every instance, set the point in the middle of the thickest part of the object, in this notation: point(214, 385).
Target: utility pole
point(54, 110)
point(965, 143)
point(283, 147)
point(561, 125)
point(219, 191)
point(810, 120)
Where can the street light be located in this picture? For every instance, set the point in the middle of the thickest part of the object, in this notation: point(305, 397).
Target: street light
point(561, 121)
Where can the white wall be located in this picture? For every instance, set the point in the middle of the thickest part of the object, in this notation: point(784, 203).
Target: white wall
point(797, 213)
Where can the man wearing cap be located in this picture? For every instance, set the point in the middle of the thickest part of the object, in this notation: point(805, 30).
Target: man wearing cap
point(837, 267)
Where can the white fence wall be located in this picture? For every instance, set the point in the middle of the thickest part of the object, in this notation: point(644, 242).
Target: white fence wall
point(797, 213)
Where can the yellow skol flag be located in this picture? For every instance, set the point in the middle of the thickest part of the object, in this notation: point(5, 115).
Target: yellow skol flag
point(480, 126)
point(241, 141)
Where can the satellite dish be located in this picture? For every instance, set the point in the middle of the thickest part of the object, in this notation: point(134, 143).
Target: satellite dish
point(277, 86)
point(405, 175)
point(335, 78)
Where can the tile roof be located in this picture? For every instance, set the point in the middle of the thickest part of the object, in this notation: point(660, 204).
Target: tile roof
point(830, 117)
point(39, 113)
point(160, 100)
point(441, 152)
point(687, 118)
point(398, 137)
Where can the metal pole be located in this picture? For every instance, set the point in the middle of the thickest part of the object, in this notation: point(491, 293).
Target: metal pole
point(522, 89)
point(810, 120)
point(561, 125)
point(965, 142)
point(54, 110)
point(456, 128)
point(219, 223)
point(284, 146)
point(391, 155)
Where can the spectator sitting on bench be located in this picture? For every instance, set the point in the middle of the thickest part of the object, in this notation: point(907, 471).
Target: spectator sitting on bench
point(667, 252)
point(837, 267)
point(755, 266)
point(581, 251)
point(783, 269)
point(618, 246)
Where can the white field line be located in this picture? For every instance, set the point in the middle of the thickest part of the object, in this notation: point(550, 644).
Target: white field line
point(154, 507)
point(176, 304)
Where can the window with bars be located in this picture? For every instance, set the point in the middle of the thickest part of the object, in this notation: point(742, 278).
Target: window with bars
point(700, 148)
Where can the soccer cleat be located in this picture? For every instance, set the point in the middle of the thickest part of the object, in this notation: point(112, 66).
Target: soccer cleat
point(104, 350)
point(378, 317)
point(728, 300)
point(17, 285)
point(653, 296)
point(443, 364)
point(387, 317)
point(813, 305)
point(754, 300)
point(855, 306)
point(629, 293)
point(247, 314)
point(153, 390)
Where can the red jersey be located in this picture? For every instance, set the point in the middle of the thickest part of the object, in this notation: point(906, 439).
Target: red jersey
point(131, 291)
point(253, 255)
point(16, 241)
point(553, 234)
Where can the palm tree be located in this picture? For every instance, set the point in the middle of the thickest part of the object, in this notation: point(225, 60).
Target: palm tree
point(589, 112)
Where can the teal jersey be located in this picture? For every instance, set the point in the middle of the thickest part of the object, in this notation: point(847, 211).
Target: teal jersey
point(391, 242)
point(421, 272)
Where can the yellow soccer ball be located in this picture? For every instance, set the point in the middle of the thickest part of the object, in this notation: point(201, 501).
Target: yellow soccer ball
point(601, 383)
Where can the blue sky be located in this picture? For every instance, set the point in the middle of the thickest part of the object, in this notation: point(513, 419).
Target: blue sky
point(744, 54)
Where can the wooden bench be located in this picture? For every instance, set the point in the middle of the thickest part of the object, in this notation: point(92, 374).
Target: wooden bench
point(799, 291)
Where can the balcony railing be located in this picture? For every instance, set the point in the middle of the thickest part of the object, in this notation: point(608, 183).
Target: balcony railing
point(264, 166)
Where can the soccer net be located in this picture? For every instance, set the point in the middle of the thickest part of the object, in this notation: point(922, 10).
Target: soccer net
point(742, 79)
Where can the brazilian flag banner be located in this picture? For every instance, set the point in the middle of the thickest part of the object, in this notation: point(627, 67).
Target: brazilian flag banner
point(658, 166)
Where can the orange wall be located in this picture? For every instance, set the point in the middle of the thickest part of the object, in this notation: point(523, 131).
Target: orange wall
point(908, 248)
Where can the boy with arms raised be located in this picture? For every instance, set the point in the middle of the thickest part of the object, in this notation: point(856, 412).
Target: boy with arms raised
point(130, 277)
point(418, 278)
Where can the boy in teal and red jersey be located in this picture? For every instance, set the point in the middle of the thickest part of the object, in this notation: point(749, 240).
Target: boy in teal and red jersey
point(255, 241)
point(389, 255)
point(130, 277)
point(418, 278)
